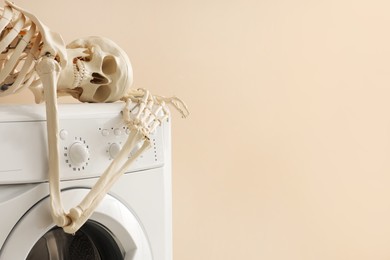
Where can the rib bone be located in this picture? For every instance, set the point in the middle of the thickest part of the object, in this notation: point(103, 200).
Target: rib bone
point(24, 40)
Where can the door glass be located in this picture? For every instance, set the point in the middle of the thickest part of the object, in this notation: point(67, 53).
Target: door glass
point(91, 242)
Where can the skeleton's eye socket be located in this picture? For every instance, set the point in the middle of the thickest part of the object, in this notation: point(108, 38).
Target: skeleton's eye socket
point(102, 93)
point(109, 65)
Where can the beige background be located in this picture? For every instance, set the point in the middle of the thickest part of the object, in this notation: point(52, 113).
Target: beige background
point(287, 152)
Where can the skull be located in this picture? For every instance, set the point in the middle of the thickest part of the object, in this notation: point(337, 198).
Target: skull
point(98, 70)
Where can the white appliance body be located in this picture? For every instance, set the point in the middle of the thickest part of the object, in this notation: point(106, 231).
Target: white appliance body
point(134, 219)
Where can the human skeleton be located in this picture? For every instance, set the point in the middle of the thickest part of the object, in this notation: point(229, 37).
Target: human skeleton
point(91, 69)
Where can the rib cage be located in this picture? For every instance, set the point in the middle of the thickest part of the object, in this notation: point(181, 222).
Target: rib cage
point(20, 42)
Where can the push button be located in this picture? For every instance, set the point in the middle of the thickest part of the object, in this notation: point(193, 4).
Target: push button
point(105, 132)
point(63, 134)
point(117, 131)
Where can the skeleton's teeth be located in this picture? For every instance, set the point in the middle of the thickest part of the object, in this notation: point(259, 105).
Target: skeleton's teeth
point(79, 73)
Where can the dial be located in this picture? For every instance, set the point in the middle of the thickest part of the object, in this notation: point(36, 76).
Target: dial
point(136, 148)
point(114, 150)
point(78, 154)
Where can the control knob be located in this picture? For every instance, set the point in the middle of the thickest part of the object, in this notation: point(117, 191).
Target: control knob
point(78, 154)
point(114, 150)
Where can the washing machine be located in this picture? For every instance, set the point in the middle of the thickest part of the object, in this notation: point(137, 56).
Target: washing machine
point(132, 222)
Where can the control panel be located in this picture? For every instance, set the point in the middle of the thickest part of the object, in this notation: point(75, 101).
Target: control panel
point(89, 142)
point(89, 146)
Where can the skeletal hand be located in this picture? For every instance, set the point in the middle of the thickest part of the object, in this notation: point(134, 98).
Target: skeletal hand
point(145, 112)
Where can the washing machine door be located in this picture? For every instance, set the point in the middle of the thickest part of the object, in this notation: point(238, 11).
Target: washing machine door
point(113, 232)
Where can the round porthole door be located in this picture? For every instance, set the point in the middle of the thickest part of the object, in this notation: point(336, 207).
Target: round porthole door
point(113, 232)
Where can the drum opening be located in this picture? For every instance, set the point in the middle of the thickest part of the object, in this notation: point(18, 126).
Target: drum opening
point(92, 242)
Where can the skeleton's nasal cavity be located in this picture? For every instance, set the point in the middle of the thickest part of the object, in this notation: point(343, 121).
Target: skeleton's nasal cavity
point(98, 79)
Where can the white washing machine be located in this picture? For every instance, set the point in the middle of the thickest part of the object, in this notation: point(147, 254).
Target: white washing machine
point(132, 222)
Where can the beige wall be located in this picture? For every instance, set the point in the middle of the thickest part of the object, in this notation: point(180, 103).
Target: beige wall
point(286, 155)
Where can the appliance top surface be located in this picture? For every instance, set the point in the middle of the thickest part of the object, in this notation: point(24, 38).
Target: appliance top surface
point(15, 113)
